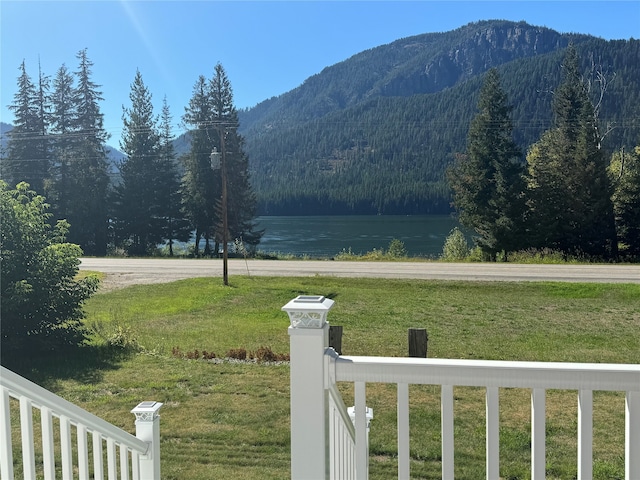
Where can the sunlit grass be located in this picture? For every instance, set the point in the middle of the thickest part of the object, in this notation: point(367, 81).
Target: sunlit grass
point(227, 420)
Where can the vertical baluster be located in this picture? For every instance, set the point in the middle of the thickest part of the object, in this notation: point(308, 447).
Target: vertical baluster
point(362, 447)
point(26, 430)
point(335, 434)
point(98, 463)
point(446, 414)
point(336, 458)
point(585, 434)
point(135, 465)
point(493, 433)
point(403, 431)
point(124, 462)
point(632, 436)
point(343, 446)
point(538, 455)
point(65, 448)
point(83, 452)
point(6, 447)
point(112, 469)
point(48, 458)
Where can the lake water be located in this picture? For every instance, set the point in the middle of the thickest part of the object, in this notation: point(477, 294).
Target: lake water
point(326, 236)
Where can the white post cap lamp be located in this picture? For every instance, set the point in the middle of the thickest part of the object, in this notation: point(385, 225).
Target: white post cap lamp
point(308, 311)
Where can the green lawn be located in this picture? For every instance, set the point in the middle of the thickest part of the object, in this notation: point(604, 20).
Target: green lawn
point(229, 420)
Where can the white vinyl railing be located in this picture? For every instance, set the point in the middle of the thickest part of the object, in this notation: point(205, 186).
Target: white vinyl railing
point(127, 456)
point(342, 436)
point(315, 370)
point(492, 375)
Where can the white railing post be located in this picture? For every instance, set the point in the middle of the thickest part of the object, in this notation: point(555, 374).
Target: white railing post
point(148, 430)
point(632, 435)
point(309, 338)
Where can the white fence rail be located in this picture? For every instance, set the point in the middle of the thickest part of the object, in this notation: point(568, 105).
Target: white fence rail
point(127, 456)
point(315, 370)
point(492, 375)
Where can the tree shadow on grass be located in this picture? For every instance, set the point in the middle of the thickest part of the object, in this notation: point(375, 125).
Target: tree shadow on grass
point(84, 363)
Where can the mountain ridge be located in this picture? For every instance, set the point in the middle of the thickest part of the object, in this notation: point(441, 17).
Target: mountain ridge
point(375, 133)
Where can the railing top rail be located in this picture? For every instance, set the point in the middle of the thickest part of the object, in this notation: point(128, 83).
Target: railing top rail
point(18, 386)
point(488, 373)
point(342, 409)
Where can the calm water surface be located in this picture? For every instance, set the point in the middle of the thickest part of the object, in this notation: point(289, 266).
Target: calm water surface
point(326, 236)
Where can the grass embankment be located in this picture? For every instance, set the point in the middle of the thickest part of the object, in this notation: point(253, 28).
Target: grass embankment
point(225, 420)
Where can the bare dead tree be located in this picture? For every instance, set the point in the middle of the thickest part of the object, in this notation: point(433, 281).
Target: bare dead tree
point(596, 82)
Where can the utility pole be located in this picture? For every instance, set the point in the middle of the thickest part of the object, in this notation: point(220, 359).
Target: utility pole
point(220, 159)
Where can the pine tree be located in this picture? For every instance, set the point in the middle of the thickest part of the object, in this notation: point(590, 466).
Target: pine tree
point(43, 142)
point(63, 118)
point(137, 209)
point(200, 187)
point(27, 158)
point(174, 225)
point(487, 182)
point(624, 171)
point(89, 180)
point(570, 193)
point(241, 201)
point(212, 113)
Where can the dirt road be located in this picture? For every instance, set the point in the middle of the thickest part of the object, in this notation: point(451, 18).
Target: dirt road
point(121, 272)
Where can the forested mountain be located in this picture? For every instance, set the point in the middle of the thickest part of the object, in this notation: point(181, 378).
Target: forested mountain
point(374, 134)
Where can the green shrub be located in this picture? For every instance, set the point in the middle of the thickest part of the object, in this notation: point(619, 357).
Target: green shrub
point(455, 247)
point(543, 255)
point(396, 249)
point(42, 299)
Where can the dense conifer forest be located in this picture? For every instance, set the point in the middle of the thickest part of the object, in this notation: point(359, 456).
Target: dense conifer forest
point(375, 134)
point(379, 133)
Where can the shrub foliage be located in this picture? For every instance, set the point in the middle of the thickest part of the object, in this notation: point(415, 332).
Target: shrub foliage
point(42, 300)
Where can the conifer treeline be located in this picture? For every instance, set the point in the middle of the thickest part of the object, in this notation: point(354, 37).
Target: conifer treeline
point(568, 197)
point(57, 146)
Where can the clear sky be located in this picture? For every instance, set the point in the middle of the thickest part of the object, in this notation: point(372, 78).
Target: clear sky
point(266, 47)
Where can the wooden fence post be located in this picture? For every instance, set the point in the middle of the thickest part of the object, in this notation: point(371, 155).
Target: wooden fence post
point(418, 342)
point(335, 338)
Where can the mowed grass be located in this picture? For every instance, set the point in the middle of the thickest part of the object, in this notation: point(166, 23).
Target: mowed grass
point(229, 420)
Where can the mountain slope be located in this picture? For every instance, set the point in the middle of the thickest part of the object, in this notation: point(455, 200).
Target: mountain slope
point(375, 133)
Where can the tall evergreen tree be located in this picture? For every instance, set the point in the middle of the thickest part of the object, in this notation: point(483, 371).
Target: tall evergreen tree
point(488, 183)
point(200, 187)
point(43, 104)
point(625, 174)
point(89, 182)
point(27, 156)
point(570, 194)
point(215, 120)
point(174, 225)
point(241, 200)
point(137, 208)
point(63, 120)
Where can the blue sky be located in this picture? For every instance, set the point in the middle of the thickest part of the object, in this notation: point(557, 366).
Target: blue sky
point(266, 47)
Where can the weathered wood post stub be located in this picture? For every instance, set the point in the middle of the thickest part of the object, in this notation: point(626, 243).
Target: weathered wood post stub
point(418, 339)
point(335, 338)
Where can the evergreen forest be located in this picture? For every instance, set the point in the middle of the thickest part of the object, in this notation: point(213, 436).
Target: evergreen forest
point(56, 149)
point(397, 129)
point(376, 133)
